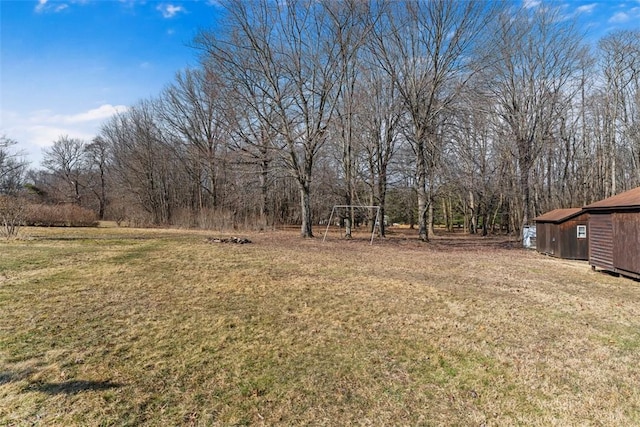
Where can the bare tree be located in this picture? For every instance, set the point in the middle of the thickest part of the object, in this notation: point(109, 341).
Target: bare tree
point(190, 112)
point(434, 105)
point(426, 48)
point(352, 22)
point(12, 169)
point(65, 161)
point(288, 54)
point(252, 138)
point(97, 161)
point(474, 165)
point(536, 57)
point(620, 53)
point(12, 172)
point(379, 117)
point(142, 164)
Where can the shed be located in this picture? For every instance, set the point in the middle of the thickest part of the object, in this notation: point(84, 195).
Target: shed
point(614, 233)
point(562, 233)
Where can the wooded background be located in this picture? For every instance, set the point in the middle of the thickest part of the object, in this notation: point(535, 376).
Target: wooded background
point(472, 114)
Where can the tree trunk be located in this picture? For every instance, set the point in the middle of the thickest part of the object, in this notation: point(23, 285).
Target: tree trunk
point(102, 200)
point(473, 226)
point(423, 197)
point(430, 192)
point(430, 219)
point(423, 205)
point(264, 193)
point(485, 220)
point(445, 214)
point(305, 210)
point(382, 200)
point(347, 228)
point(526, 196)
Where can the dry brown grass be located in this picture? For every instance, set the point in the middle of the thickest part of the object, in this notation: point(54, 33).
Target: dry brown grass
point(158, 327)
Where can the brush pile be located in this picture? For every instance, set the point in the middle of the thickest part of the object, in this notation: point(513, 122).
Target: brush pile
point(237, 240)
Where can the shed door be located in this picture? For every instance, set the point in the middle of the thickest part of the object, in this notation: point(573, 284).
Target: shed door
point(626, 228)
point(601, 241)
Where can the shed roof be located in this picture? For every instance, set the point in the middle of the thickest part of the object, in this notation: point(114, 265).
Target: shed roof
point(558, 215)
point(628, 199)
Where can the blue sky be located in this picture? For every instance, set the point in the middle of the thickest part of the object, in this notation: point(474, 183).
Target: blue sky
point(67, 65)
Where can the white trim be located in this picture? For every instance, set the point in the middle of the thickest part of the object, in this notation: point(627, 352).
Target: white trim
point(582, 235)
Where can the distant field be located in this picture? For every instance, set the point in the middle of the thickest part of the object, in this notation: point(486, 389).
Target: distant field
point(116, 326)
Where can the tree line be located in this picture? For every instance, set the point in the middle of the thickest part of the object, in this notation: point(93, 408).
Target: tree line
point(472, 114)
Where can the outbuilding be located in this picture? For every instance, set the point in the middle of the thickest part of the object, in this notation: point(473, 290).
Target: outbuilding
point(614, 233)
point(562, 233)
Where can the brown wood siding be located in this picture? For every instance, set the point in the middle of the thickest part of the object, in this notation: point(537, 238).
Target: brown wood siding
point(552, 239)
point(600, 235)
point(543, 238)
point(560, 239)
point(626, 231)
point(570, 247)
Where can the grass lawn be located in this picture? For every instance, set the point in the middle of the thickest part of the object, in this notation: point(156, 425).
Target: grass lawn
point(117, 326)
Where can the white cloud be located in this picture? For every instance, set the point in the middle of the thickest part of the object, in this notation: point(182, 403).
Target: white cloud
point(102, 112)
point(44, 136)
point(587, 8)
point(56, 6)
point(46, 6)
point(41, 5)
point(528, 4)
point(39, 129)
point(169, 10)
point(619, 18)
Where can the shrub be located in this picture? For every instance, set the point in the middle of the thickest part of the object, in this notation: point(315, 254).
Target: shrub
point(11, 216)
point(59, 216)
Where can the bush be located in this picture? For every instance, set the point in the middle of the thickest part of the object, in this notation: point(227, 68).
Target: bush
point(11, 216)
point(59, 216)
